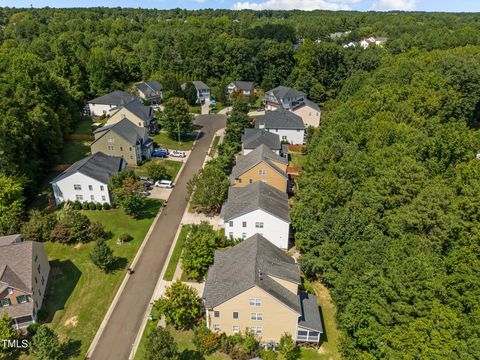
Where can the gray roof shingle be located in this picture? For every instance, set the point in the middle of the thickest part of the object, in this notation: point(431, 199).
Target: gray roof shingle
point(97, 166)
point(252, 138)
point(137, 108)
point(283, 92)
point(150, 88)
point(249, 264)
point(310, 318)
point(259, 195)
point(16, 265)
point(261, 154)
point(244, 85)
point(306, 102)
point(280, 119)
point(126, 129)
point(118, 97)
point(199, 85)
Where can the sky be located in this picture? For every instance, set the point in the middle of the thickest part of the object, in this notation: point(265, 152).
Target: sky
point(360, 5)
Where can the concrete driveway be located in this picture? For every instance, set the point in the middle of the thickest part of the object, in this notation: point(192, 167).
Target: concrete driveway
point(119, 333)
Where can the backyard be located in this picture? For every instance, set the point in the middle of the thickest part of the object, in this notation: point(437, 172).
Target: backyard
point(186, 142)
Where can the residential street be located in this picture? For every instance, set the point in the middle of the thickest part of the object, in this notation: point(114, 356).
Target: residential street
point(119, 334)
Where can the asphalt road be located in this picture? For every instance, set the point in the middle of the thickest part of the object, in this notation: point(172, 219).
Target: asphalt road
point(121, 329)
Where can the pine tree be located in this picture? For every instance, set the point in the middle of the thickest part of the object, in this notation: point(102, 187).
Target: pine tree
point(102, 255)
point(46, 345)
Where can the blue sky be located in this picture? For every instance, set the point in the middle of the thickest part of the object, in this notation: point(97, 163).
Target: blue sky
point(422, 5)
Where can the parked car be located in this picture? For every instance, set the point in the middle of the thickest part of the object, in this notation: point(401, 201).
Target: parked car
point(164, 184)
point(177, 153)
point(146, 180)
point(159, 154)
point(144, 193)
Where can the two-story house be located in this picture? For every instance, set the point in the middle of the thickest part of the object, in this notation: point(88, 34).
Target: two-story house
point(255, 285)
point(102, 105)
point(253, 138)
point(309, 112)
point(24, 271)
point(139, 114)
point(261, 164)
point(245, 88)
point(282, 97)
point(257, 208)
point(287, 125)
point(123, 139)
point(87, 179)
point(151, 91)
point(203, 91)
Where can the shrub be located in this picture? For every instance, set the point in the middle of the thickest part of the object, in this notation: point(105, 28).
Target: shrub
point(250, 343)
point(160, 345)
point(96, 231)
point(32, 328)
point(77, 205)
point(102, 255)
point(288, 348)
point(205, 341)
point(98, 206)
point(106, 206)
point(92, 205)
point(125, 237)
point(39, 226)
point(85, 205)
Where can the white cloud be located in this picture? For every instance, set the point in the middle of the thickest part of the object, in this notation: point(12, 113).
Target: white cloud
point(295, 4)
point(384, 5)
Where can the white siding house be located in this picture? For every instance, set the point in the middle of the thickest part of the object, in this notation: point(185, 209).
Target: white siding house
point(102, 105)
point(287, 125)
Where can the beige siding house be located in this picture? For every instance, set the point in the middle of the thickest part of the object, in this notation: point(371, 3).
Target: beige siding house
point(309, 112)
point(254, 285)
point(137, 113)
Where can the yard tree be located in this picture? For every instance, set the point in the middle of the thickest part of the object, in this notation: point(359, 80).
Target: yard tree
point(176, 118)
point(205, 340)
point(7, 332)
point(38, 226)
point(129, 197)
point(208, 188)
point(102, 255)
point(156, 172)
point(160, 345)
point(71, 227)
point(180, 305)
point(45, 344)
point(190, 93)
point(199, 250)
point(288, 348)
point(11, 205)
point(116, 181)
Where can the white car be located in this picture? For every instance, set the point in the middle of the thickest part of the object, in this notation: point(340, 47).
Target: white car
point(177, 153)
point(164, 184)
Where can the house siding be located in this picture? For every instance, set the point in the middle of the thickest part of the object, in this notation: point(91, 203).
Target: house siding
point(293, 136)
point(310, 117)
point(39, 289)
point(100, 109)
point(120, 148)
point(63, 190)
point(271, 177)
point(124, 113)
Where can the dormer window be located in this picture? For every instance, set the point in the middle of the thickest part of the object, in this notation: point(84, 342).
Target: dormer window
point(10, 291)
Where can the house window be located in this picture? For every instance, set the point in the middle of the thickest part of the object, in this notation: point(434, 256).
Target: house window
point(39, 292)
point(22, 299)
point(121, 148)
point(276, 130)
point(92, 197)
point(230, 223)
point(259, 225)
point(256, 329)
point(255, 302)
point(244, 224)
point(5, 302)
point(239, 180)
point(130, 148)
point(79, 197)
point(77, 187)
point(250, 181)
point(36, 281)
point(101, 187)
point(216, 327)
point(90, 187)
point(36, 258)
point(235, 329)
point(230, 234)
point(244, 236)
point(38, 268)
point(36, 304)
point(140, 124)
point(110, 140)
point(43, 280)
point(262, 172)
point(256, 316)
point(235, 314)
point(10, 291)
point(104, 198)
point(216, 314)
point(284, 137)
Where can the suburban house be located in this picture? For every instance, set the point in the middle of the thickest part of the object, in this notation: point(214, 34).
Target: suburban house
point(139, 114)
point(151, 91)
point(339, 34)
point(243, 87)
point(255, 285)
point(282, 97)
point(253, 138)
point(102, 105)
point(286, 124)
point(257, 208)
point(123, 139)
point(24, 271)
point(203, 91)
point(309, 112)
point(87, 179)
point(261, 164)
point(365, 43)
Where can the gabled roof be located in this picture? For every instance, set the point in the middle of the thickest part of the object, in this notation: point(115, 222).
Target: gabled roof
point(97, 166)
point(280, 119)
point(308, 103)
point(243, 85)
point(252, 138)
point(259, 195)
point(150, 88)
point(283, 92)
point(247, 265)
point(137, 108)
point(261, 154)
point(199, 85)
point(16, 265)
point(310, 318)
point(126, 129)
point(118, 97)
point(10, 239)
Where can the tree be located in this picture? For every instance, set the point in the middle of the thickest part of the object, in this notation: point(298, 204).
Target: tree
point(250, 343)
point(7, 332)
point(180, 305)
point(209, 188)
point(38, 226)
point(102, 255)
point(190, 93)
point(71, 227)
point(205, 340)
point(176, 118)
point(288, 348)
point(199, 250)
point(160, 345)
point(156, 172)
point(128, 196)
point(11, 205)
point(46, 345)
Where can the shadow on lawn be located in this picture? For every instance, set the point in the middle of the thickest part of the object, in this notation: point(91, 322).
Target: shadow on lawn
point(191, 355)
point(64, 276)
point(71, 348)
point(150, 210)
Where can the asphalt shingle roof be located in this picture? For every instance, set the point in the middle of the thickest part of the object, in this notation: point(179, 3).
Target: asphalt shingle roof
point(118, 97)
point(150, 88)
point(126, 129)
point(199, 85)
point(16, 264)
point(310, 318)
point(307, 102)
point(261, 154)
point(280, 119)
point(249, 264)
point(283, 92)
point(259, 195)
point(244, 85)
point(97, 166)
point(137, 108)
point(252, 138)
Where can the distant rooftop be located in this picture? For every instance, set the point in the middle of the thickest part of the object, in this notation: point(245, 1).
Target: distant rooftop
point(117, 98)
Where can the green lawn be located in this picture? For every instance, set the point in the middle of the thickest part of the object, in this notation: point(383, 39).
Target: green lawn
point(83, 127)
point(186, 142)
point(74, 150)
point(79, 294)
point(297, 159)
point(196, 109)
point(177, 251)
point(214, 147)
point(173, 167)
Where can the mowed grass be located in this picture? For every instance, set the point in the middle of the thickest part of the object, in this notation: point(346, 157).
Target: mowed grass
point(173, 167)
point(177, 251)
point(297, 159)
point(83, 127)
point(79, 294)
point(186, 141)
point(214, 147)
point(74, 150)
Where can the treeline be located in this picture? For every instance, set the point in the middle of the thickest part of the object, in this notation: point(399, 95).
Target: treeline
point(387, 214)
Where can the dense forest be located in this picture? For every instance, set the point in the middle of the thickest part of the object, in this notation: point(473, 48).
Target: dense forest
point(387, 209)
